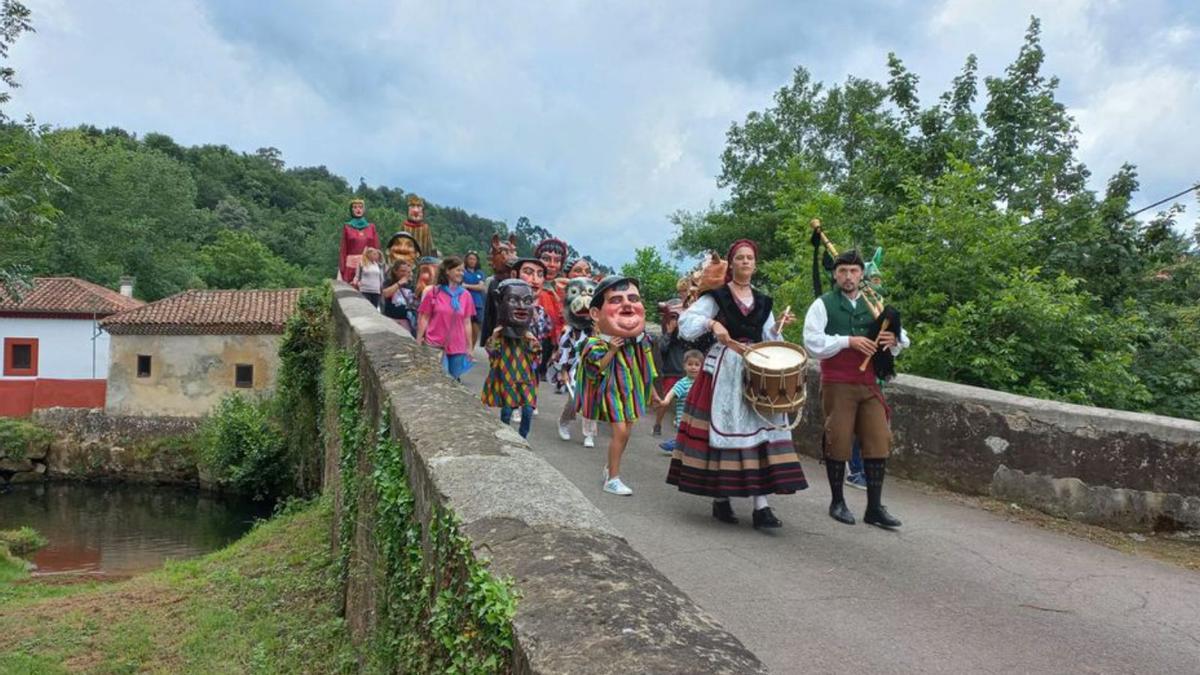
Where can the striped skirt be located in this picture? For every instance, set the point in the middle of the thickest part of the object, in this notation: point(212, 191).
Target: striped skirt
point(771, 467)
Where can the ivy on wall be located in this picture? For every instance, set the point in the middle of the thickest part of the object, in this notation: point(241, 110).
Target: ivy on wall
point(441, 609)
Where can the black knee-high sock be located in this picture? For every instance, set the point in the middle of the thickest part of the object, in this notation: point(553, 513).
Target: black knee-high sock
point(836, 471)
point(875, 471)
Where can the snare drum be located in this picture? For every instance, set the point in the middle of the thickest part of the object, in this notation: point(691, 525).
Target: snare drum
point(773, 377)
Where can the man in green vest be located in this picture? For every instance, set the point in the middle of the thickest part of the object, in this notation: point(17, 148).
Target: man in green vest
point(836, 333)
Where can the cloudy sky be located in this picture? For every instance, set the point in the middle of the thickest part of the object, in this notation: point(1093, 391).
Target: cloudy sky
point(594, 119)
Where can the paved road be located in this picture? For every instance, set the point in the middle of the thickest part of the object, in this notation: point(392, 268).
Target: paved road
point(956, 590)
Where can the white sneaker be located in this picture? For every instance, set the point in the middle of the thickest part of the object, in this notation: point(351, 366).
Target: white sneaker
point(564, 431)
point(589, 442)
point(614, 486)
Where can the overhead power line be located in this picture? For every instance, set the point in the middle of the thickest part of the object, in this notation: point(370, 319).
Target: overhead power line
point(1165, 200)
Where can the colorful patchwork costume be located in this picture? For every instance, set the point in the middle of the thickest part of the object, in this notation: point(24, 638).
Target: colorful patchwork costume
point(620, 392)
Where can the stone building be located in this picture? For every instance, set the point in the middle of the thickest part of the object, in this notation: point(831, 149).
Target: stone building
point(55, 355)
point(179, 356)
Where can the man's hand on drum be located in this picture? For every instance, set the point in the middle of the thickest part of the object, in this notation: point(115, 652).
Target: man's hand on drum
point(863, 344)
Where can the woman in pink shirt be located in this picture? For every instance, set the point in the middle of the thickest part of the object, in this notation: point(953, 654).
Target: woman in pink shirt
point(444, 318)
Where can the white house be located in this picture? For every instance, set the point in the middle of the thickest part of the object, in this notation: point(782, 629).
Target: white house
point(54, 351)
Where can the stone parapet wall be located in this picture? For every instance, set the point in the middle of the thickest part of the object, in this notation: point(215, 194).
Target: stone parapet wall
point(588, 602)
point(1114, 468)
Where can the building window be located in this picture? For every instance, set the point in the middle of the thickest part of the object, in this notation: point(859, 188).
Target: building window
point(143, 365)
point(21, 357)
point(243, 376)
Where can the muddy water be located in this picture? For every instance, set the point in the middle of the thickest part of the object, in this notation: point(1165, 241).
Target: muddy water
point(123, 529)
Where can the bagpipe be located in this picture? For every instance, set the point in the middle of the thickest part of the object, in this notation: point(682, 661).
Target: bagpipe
point(886, 316)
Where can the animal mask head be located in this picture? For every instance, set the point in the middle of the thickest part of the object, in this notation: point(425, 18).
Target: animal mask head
point(502, 254)
point(577, 303)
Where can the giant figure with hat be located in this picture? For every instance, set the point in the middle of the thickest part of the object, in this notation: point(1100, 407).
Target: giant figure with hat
point(616, 369)
point(357, 235)
point(416, 226)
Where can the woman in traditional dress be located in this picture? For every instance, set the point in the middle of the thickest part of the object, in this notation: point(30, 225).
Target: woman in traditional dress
point(725, 448)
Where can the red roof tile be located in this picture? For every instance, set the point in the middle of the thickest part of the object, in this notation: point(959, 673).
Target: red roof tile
point(68, 295)
point(249, 312)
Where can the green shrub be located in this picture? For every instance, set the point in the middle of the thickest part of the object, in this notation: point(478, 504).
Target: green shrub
point(298, 394)
point(18, 435)
point(23, 541)
point(242, 445)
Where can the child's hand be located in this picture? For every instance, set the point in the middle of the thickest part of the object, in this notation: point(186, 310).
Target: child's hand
point(496, 333)
point(617, 342)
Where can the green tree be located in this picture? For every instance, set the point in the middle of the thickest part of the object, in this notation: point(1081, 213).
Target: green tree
point(656, 276)
point(1010, 273)
point(238, 260)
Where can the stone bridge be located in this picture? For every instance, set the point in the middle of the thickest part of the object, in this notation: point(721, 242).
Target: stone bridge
point(652, 584)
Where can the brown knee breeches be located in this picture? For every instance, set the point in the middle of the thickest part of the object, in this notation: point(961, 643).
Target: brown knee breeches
point(854, 410)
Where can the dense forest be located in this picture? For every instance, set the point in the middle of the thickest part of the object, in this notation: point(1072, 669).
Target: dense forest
point(181, 217)
point(100, 204)
point(1010, 273)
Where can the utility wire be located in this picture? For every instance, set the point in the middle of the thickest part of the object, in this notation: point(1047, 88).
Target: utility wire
point(1164, 201)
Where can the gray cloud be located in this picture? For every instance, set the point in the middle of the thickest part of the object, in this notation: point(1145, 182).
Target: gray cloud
point(596, 120)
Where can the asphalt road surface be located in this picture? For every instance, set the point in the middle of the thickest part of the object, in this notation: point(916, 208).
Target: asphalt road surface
point(955, 590)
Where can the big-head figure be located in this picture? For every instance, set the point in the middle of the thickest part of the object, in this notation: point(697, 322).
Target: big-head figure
point(616, 307)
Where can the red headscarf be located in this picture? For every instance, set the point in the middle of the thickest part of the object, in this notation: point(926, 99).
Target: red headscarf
point(733, 249)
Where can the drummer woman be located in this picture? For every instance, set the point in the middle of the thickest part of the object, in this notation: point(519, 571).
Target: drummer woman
point(724, 448)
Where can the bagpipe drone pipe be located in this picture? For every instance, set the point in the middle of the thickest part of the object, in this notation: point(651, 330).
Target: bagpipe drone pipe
point(887, 318)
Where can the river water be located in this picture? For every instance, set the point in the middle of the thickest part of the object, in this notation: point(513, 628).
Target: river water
point(124, 529)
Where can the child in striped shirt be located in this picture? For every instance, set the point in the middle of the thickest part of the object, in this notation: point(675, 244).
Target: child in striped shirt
point(693, 361)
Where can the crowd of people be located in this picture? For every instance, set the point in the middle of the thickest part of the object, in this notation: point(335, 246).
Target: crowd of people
point(545, 318)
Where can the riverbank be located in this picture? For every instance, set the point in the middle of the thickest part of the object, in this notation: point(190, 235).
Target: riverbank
point(267, 602)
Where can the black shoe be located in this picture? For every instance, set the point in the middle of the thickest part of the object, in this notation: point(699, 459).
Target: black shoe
point(840, 513)
point(723, 511)
point(880, 518)
point(765, 518)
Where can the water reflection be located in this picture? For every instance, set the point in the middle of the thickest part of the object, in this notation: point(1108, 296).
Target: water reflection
point(124, 529)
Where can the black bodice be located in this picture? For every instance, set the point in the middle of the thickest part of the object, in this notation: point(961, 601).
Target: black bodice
point(742, 327)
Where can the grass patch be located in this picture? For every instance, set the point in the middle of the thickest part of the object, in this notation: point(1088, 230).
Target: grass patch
point(266, 603)
point(23, 541)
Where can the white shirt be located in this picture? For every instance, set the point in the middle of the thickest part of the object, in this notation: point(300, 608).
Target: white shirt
point(694, 321)
point(822, 346)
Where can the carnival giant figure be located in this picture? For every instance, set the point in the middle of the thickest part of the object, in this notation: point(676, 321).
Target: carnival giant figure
point(576, 312)
point(416, 226)
point(357, 235)
point(513, 352)
point(616, 369)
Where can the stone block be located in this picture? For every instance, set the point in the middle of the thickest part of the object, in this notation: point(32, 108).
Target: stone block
point(15, 465)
